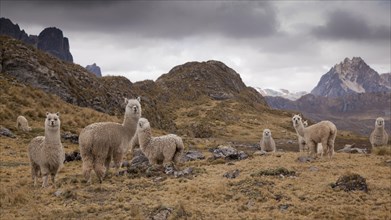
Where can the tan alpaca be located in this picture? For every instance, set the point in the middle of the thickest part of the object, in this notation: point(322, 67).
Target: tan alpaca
point(323, 132)
point(302, 146)
point(100, 142)
point(379, 136)
point(22, 123)
point(267, 142)
point(46, 153)
point(159, 150)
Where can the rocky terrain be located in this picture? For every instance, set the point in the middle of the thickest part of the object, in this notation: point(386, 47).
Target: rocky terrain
point(351, 94)
point(50, 40)
point(95, 69)
point(284, 93)
point(351, 76)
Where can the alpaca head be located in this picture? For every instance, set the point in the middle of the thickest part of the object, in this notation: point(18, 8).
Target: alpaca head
point(143, 124)
point(52, 121)
point(305, 123)
point(296, 119)
point(133, 107)
point(267, 133)
point(379, 122)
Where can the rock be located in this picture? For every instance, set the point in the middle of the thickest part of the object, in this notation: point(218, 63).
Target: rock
point(283, 207)
point(74, 156)
point(6, 132)
point(353, 150)
point(161, 213)
point(314, 169)
point(125, 164)
point(58, 193)
point(73, 138)
point(192, 155)
point(94, 69)
point(259, 153)
point(13, 30)
point(52, 41)
point(169, 169)
point(279, 171)
point(139, 161)
point(304, 159)
point(232, 174)
point(289, 142)
point(351, 182)
point(184, 172)
point(228, 153)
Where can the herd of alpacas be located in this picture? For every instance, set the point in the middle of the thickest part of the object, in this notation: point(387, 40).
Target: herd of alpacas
point(102, 142)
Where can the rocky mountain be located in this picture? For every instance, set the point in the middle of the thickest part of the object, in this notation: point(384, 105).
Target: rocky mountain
point(350, 76)
point(284, 93)
point(181, 87)
point(94, 69)
point(50, 40)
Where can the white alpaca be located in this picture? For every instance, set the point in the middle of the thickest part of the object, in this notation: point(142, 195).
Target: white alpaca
point(46, 153)
point(302, 146)
point(379, 136)
point(21, 122)
point(100, 142)
point(267, 142)
point(323, 132)
point(164, 149)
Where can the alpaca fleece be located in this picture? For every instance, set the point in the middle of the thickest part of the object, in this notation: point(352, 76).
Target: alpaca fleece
point(379, 136)
point(101, 142)
point(46, 153)
point(159, 150)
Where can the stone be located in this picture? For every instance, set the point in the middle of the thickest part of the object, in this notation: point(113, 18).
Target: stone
point(351, 182)
point(58, 193)
point(94, 69)
point(161, 214)
point(74, 156)
point(52, 41)
point(228, 153)
point(185, 172)
point(192, 155)
point(353, 150)
point(305, 159)
point(6, 132)
point(232, 174)
point(73, 138)
point(259, 153)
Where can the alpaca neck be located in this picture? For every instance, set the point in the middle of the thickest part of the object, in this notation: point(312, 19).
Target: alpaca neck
point(379, 130)
point(300, 129)
point(52, 136)
point(144, 137)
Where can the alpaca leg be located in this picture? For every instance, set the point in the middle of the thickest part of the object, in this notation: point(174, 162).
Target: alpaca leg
point(168, 156)
point(87, 167)
point(35, 172)
point(312, 148)
point(107, 162)
point(45, 175)
point(99, 168)
point(330, 148)
point(117, 158)
point(53, 177)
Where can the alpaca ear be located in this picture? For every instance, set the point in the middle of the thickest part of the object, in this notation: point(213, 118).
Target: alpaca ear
point(58, 114)
point(126, 100)
point(139, 99)
point(47, 113)
point(140, 124)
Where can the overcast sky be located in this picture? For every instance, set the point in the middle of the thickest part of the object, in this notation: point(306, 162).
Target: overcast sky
point(271, 44)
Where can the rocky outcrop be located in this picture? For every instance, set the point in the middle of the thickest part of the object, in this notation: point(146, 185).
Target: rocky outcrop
point(50, 40)
point(349, 77)
point(94, 69)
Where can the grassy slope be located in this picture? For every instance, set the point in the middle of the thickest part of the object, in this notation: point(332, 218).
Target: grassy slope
point(208, 195)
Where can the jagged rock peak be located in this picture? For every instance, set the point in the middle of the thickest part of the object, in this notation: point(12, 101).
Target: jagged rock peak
point(95, 69)
point(13, 30)
point(350, 76)
point(52, 41)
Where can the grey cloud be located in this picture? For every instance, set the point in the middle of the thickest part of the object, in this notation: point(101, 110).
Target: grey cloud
point(344, 25)
point(167, 19)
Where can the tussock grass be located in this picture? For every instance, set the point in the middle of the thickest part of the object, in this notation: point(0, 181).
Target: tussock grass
point(382, 151)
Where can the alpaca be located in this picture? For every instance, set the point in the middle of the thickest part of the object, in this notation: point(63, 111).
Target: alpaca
point(101, 142)
point(164, 149)
point(323, 132)
point(379, 136)
point(46, 153)
point(302, 147)
point(21, 122)
point(267, 142)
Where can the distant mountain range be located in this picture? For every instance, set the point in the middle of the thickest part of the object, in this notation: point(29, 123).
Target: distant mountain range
point(284, 93)
point(351, 94)
point(50, 40)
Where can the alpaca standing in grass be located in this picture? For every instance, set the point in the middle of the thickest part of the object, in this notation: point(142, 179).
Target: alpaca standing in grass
point(302, 146)
point(101, 142)
point(323, 132)
point(164, 149)
point(46, 153)
point(267, 142)
point(379, 136)
point(21, 122)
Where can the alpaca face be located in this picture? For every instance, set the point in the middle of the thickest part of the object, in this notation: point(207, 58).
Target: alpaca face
point(143, 124)
point(133, 107)
point(305, 123)
point(267, 133)
point(296, 119)
point(379, 122)
point(52, 120)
